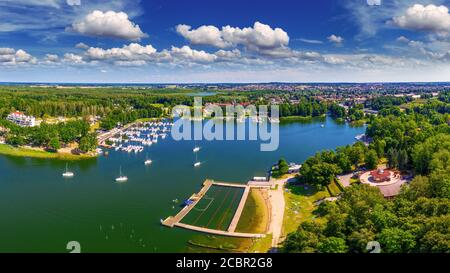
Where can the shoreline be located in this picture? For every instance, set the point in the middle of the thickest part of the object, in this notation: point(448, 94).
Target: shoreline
point(8, 150)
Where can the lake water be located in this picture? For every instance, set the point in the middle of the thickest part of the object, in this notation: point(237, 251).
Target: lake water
point(41, 211)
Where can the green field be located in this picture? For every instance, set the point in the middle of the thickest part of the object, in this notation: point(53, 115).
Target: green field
point(32, 153)
point(216, 209)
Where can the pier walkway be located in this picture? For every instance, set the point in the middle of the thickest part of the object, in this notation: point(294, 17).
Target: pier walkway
point(240, 208)
point(172, 221)
point(220, 232)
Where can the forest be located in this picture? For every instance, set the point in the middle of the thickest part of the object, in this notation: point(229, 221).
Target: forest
point(414, 139)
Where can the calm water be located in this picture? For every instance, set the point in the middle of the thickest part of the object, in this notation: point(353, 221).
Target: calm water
point(41, 211)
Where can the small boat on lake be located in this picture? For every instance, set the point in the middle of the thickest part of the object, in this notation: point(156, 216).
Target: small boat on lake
point(147, 161)
point(121, 178)
point(67, 173)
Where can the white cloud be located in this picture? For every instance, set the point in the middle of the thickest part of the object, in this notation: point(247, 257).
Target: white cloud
point(228, 55)
point(374, 2)
point(7, 51)
point(45, 3)
point(186, 53)
point(74, 2)
point(108, 24)
point(131, 52)
point(259, 38)
point(402, 39)
point(137, 55)
point(335, 39)
point(55, 14)
point(426, 18)
point(204, 35)
point(51, 58)
point(10, 56)
point(82, 46)
point(73, 58)
point(309, 41)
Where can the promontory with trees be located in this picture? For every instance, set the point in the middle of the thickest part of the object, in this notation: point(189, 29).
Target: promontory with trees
point(414, 139)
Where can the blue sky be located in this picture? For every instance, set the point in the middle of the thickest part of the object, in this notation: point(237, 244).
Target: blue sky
point(224, 41)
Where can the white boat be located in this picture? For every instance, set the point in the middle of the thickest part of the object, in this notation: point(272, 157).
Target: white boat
point(67, 173)
point(147, 161)
point(196, 149)
point(323, 125)
point(121, 178)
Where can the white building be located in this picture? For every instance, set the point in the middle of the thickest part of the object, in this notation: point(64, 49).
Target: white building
point(294, 168)
point(21, 119)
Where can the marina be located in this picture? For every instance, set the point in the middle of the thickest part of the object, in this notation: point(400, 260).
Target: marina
point(135, 137)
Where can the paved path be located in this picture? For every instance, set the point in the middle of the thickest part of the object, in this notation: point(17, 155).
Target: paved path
point(225, 184)
point(345, 179)
point(277, 211)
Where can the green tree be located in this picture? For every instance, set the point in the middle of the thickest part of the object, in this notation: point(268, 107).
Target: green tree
point(322, 174)
point(332, 245)
point(357, 240)
point(305, 239)
point(88, 143)
point(283, 166)
point(396, 240)
point(372, 160)
point(54, 144)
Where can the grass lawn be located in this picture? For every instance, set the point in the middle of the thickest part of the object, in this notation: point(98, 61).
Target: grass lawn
point(333, 189)
point(295, 118)
point(354, 180)
point(255, 216)
point(147, 119)
point(358, 123)
point(35, 153)
point(300, 205)
point(261, 245)
point(216, 209)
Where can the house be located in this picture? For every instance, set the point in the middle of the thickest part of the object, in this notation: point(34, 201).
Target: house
point(21, 119)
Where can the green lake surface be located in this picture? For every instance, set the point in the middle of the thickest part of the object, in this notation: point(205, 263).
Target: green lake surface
point(41, 211)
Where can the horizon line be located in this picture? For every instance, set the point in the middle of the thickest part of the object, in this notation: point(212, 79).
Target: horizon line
point(216, 83)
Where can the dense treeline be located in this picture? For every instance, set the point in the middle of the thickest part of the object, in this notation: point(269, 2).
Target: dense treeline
point(124, 116)
point(354, 113)
point(50, 136)
point(379, 103)
point(77, 102)
point(416, 139)
point(305, 107)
